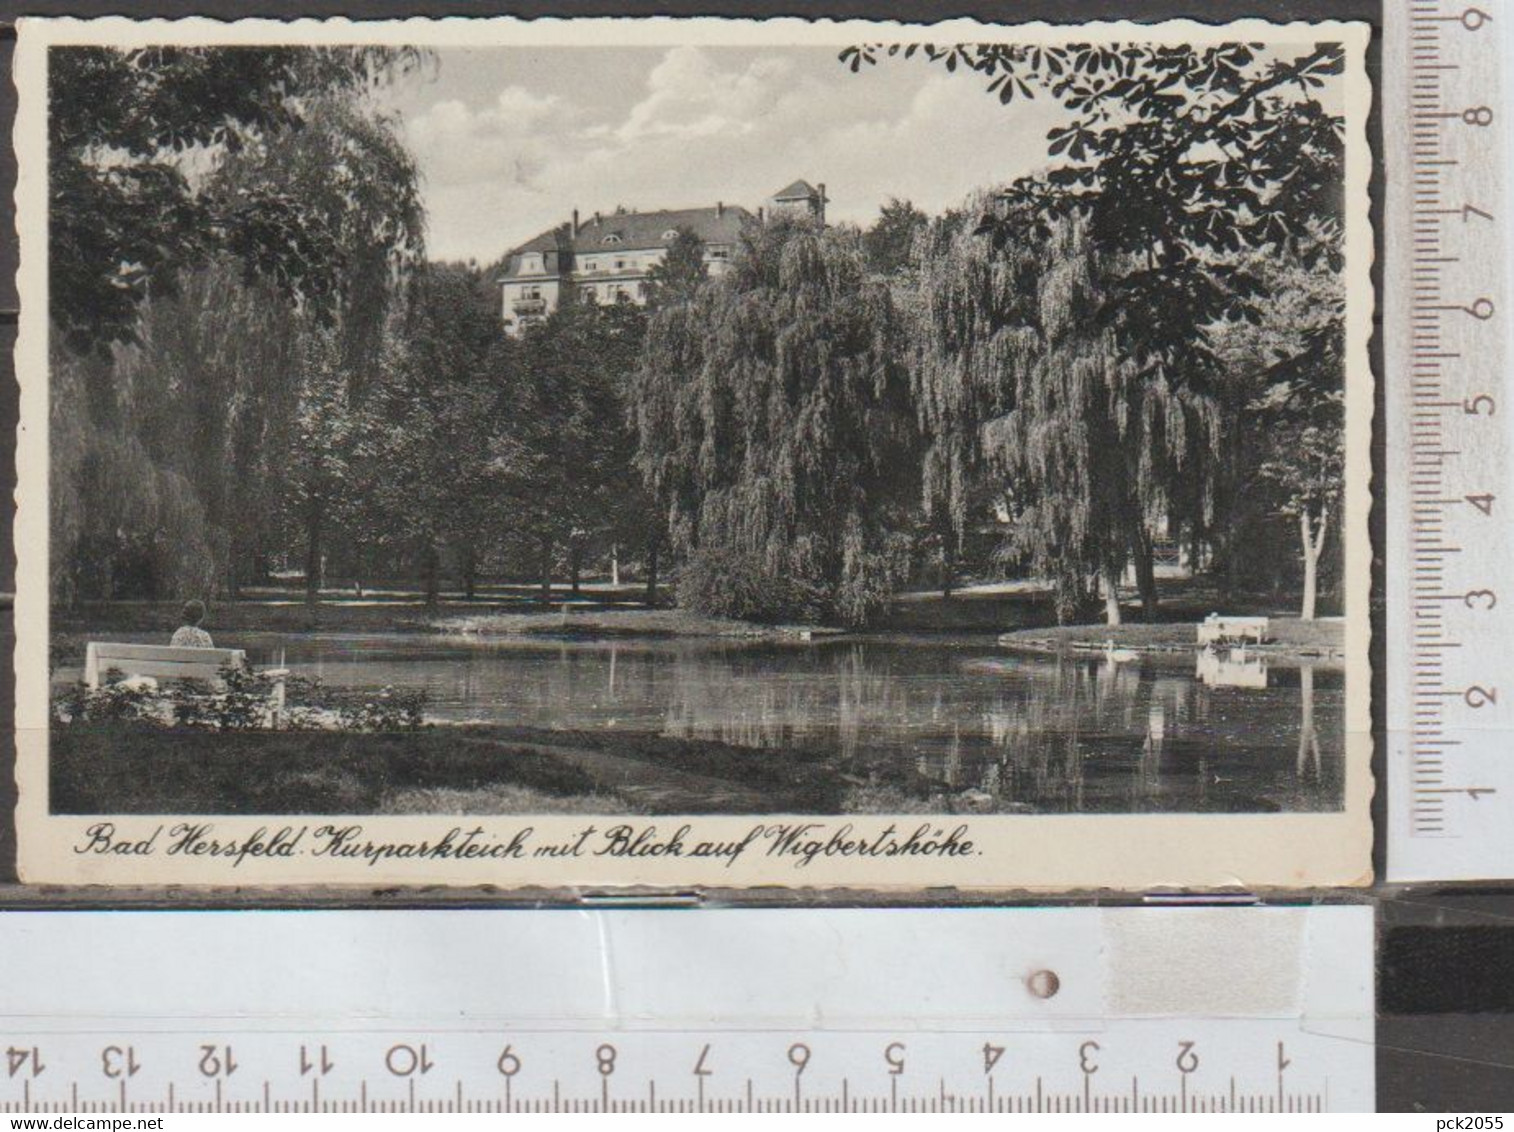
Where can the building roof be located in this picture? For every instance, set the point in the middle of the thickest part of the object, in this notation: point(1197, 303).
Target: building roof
point(633, 231)
point(799, 190)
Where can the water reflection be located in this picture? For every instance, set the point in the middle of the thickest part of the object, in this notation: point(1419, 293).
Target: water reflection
point(957, 719)
point(1233, 669)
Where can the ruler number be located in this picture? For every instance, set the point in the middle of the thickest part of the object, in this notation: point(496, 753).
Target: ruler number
point(1478, 115)
point(118, 1061)
point(28, 1061)
point(1483, 503)
point(1470, 210)
point(403, 1060)
point(1481, 309)
point(893, 1053)
point(1187, 1060)
point(1477, 696)
point(700, 1070)
point(799, 1057)
point(508, 1063)
point(1474, 18)
point(320, 1065)
point(217, 1061)
point(1480, 599)
point(1474, 406)
point(1085, 1058)
point(605, 1056)
point(991, 1055)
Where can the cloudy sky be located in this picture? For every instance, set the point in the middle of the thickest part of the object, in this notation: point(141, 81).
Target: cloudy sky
point(510, 140)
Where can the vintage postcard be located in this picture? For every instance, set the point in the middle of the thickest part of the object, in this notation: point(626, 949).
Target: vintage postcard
point(694, 453)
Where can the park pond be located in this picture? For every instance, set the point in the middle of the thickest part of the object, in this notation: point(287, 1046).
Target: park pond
point(958, 716)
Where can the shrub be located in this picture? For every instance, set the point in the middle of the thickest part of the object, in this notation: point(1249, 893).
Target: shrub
point(242, 705)
point(719, 582)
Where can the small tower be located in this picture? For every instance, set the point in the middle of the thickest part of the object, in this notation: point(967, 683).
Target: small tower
point(800, 199)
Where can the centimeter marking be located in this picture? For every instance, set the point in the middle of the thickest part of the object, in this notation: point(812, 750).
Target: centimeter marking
point(1215, 1069)
point(1135, 1099)
point(1446, 463)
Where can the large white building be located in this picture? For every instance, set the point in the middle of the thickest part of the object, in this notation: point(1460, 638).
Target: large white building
point(608, 255)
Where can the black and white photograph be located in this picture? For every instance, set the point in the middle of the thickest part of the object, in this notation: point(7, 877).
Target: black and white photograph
point(622, 452)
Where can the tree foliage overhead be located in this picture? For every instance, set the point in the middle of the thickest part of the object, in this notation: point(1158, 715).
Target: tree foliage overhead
point(134, 140)
point(774, 421)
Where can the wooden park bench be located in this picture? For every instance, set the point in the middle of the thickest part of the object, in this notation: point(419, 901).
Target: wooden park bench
point(166, 662)
point(1215, 629)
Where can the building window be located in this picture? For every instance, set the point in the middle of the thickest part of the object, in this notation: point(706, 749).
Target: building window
point(670, 234)
point(720, 253)
point(612, 238)
point(620, 265)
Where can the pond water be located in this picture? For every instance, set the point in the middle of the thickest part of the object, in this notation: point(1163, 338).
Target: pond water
point(1008, 732)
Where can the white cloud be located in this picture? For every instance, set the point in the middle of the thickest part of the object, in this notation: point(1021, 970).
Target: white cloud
point(704, 127)
point(688, 95)
point(508, 138)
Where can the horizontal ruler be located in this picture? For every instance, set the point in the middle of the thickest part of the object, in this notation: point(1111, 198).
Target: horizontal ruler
point(1450, 569)
point(1012, 1010)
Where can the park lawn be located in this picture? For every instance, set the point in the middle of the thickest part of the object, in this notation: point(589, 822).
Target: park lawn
point(1292, 638)
point(610, 623)
point(117, 767)
point(73, 627)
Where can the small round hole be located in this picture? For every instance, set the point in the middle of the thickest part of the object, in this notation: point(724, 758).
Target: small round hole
point(1043, 983)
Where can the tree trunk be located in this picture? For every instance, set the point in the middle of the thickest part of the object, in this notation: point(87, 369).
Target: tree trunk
point(948, 565)
point(313, 552)
point(1110, 579)
point(546, 568)
point(470, 574)
point(1312, 548)
point(1145, 571)
point(615, 565)
point(433, 575)
point(575, 562)
point(653, 549)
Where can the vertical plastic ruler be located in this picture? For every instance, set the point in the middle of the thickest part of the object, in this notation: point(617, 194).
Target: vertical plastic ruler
point(1070, 1009)
point(1449, 497)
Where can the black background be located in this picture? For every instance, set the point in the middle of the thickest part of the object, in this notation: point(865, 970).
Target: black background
point(1445, 956)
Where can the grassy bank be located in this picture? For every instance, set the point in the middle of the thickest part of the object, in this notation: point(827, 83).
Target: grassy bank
point(1020, 607)
point(138, 768)
point(72, 628)
point(1292, 639)
point(616, 623)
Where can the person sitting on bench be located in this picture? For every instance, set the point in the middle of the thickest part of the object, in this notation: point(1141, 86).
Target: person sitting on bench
point(189, 635)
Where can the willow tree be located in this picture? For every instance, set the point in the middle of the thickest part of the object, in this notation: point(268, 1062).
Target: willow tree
point(1029, 384)
point(972, 327)
point(1173, 161)
point(360, 216)
point(774, 422)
